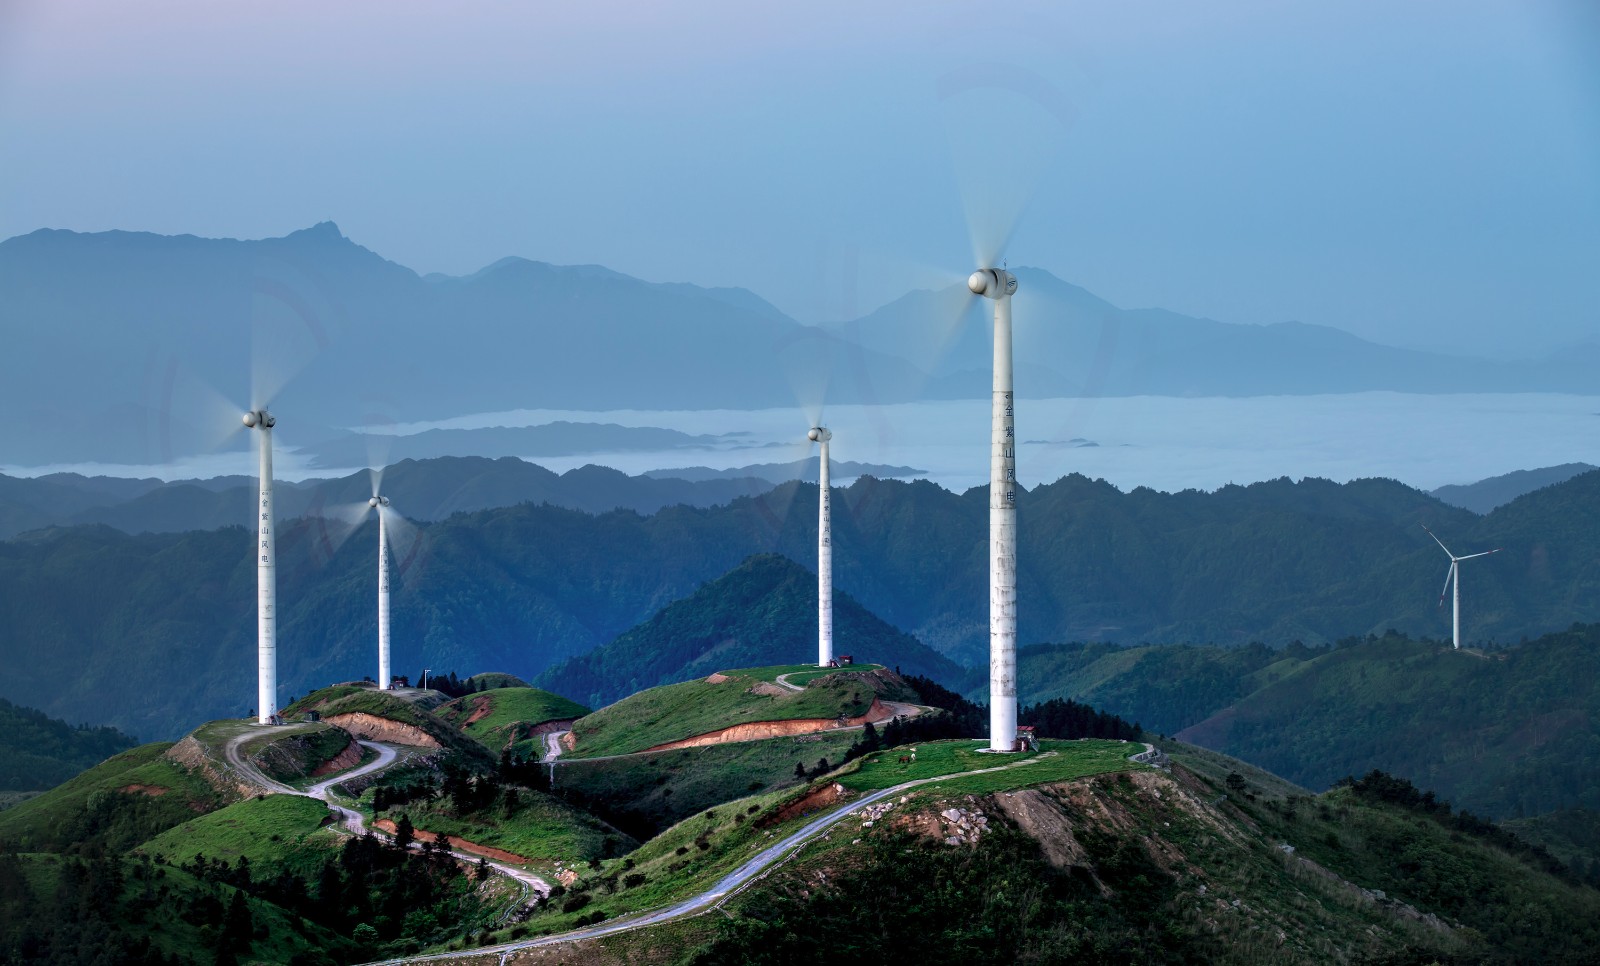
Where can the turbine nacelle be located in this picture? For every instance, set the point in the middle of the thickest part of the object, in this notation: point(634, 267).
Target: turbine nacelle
point(259, 417)
point(819, 434)
point(378, 501)
point(994, 283)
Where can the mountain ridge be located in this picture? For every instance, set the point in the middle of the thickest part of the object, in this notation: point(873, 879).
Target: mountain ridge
point(351, 327)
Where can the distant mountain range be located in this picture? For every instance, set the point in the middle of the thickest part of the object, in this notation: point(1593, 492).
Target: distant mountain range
point(421, 489)
point(119, 342)
point(1484, 495)
point(432, 489)
point(152, 632)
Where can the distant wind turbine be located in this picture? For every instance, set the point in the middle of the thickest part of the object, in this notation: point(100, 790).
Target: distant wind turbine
point(1453, 577)
point(820, 435)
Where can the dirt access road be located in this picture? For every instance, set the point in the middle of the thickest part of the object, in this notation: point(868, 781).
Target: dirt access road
point(350, 819)
point(726, 888)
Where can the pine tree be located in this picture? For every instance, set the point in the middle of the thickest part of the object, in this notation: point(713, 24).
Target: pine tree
point(404, 832)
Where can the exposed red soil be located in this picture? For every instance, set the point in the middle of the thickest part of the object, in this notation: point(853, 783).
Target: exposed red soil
point(154, 791)
point(348, 758)
point(824, 797)
point(718, 678)
point(480, 710)
point(756, 730)
point(374, 728)
point(487, 851)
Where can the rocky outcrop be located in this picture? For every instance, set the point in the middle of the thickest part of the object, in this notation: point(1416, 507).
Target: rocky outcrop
point(373, 728)
point(757, 730)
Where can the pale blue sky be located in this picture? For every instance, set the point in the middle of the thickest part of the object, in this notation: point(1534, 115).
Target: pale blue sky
point(1418, 173)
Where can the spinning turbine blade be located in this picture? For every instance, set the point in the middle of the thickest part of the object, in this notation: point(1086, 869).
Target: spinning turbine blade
point(406, 542)
point(1449, 575)
point(1438, 541)
point(1484, 554)
point(1007, 125)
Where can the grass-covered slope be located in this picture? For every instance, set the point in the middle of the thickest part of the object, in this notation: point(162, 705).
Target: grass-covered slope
point(646, 793)
point(117, 804)
point(40, 752)
point(489, 680)
point(502, 716)
point(272, 832)
point(1152, 867)
point(530, 825)
point(724, 699)
point(393, 706)
point(763, 612)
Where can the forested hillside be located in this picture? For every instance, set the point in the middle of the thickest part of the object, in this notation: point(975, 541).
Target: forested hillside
point(167, 636)
point(1504, 733)
point(41, 752)
point(761, 613)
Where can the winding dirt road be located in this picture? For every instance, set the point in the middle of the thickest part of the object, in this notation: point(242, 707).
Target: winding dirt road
point(755, 868)
point(353, 821)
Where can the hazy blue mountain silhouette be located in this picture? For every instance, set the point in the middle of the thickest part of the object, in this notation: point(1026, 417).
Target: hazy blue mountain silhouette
point(1070, 342)
point(113, 337)
point(420, 489)
point(1484, 495)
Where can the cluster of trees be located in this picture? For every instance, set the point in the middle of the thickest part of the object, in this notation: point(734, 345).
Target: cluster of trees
point(1061, 718)
point(370, 892)
point(462, 790)
point(103, 908)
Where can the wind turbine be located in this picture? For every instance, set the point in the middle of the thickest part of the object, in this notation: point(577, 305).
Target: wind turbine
point(999, 285)
point(820, 435)
point(266, 577)
point(1453, 576)
point(381, 504)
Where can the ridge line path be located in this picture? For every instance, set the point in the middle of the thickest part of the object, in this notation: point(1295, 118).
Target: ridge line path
point(752, 870)
point(353, 821)
point(898, 709)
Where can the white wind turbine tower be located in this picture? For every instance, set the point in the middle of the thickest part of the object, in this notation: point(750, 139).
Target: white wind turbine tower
point(266, 577)
point(1453, 577)
point(381, 504)
point(820, 435)
point(998, 177)
point(999, 285)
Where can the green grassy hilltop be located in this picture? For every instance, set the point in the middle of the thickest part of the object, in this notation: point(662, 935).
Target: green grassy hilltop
point(674, 712)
